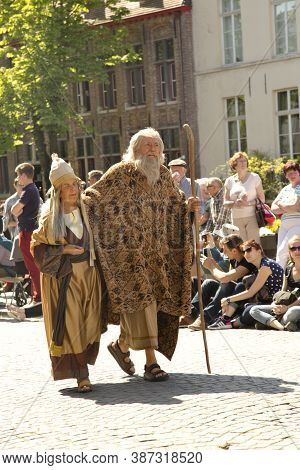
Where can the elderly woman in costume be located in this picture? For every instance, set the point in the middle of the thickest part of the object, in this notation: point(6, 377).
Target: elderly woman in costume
point(71, 291)
point(142, 233)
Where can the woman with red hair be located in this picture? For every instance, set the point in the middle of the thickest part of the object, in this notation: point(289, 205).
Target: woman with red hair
point(241, 191)
point(269, 276)
point(287, 203)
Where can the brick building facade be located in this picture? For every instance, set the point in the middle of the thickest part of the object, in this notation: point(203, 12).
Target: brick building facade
point(157, 91)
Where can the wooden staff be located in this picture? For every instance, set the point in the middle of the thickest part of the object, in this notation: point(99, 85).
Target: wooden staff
point(191, 147)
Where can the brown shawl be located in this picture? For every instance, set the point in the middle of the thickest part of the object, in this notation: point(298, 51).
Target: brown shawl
point(143, 241)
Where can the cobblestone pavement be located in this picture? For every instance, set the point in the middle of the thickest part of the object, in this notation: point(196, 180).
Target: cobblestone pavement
point(250, 401)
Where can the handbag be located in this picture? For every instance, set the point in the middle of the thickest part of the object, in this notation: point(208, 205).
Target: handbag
point(259, 214)
point(283, 297)
point(263, 213)
point(262, 296)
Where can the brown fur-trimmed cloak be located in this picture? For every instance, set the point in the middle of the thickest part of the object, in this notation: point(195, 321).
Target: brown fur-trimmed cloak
point(143, 242)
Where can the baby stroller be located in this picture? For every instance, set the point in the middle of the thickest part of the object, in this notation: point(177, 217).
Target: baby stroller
point(20, 292)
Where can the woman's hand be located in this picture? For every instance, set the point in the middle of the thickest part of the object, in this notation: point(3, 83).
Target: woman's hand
point(242, 201)
point(73, 250)
point(224, 302)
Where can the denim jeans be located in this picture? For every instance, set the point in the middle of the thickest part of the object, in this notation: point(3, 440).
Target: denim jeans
point(264, 314)
point(212, 293)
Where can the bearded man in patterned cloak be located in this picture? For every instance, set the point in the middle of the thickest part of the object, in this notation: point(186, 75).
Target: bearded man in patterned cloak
point(143, 241)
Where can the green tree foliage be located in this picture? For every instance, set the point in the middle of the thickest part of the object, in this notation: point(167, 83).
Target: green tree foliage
point(45, 47)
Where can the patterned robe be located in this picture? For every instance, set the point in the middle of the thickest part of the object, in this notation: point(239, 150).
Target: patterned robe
point(143, 242)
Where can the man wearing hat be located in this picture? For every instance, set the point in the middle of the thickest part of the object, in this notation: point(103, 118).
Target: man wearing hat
point(178, 168)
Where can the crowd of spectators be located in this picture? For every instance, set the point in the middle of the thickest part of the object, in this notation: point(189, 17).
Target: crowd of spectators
point(239, 281)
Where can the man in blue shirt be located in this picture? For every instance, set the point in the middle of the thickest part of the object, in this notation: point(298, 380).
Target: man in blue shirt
point(26, 210)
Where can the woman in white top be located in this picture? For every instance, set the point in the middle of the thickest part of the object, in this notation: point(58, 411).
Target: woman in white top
point(241, 192)
point(287, 203)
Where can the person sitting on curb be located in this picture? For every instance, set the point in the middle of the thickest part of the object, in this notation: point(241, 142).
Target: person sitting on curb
point(225, 283)
point(282, 317)
point(207, 244)
point(269, 275)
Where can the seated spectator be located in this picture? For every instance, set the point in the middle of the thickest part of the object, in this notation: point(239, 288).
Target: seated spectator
point(7, 267)
point(241, 192)
point(224, 283)
point(281, 317)
point(287, 203)
point(94, 176)
point(270, 275)
point(218, 214)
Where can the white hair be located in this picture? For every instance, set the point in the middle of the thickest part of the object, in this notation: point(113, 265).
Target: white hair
point(150, 168)
point(131, 152)
point(202, 181)
point(53, 210)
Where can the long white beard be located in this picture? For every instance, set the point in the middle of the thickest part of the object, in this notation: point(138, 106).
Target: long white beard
point(150, 167)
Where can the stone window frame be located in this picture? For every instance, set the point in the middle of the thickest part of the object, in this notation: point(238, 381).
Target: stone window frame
point(86, 159)
point(166, 71)
point(173, 151)
point(286, 49)
point(287, 115)
point(135, 78)
point(109, 91)
point(111, 157)
point(4, 176)
point(235, 121)
point(232, 15)
point(83, 97)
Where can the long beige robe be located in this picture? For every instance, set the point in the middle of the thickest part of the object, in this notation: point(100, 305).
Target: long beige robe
point(83, 303)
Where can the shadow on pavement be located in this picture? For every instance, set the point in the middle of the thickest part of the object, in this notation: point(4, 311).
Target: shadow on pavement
point(136, 390)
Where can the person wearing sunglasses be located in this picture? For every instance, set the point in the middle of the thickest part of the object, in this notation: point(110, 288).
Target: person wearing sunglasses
point(269, 274)
point(283, 317)
point(225, 282)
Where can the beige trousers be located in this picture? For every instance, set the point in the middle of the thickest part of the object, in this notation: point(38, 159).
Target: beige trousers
point(249, 229)
point(139, 329)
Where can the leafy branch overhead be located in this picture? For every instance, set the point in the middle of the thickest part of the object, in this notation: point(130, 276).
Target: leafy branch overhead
point(45, 47)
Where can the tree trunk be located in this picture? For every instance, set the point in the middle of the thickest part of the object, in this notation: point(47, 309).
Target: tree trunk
point(39, 140)
point(53, 145)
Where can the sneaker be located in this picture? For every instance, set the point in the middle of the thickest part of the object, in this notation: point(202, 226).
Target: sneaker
point(185, 321)
point(222, 323)
point(20, 316)
point(196, 326)
point(291, 326)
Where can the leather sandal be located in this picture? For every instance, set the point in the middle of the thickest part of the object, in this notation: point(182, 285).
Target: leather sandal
point(120, 357)
point(84, 385)
point(154, 376)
